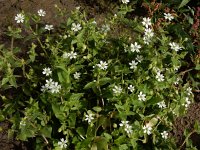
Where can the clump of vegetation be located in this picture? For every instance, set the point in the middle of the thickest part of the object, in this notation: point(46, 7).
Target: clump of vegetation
point(79, 87)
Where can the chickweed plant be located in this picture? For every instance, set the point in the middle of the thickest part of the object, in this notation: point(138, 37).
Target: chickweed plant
point(76, 86)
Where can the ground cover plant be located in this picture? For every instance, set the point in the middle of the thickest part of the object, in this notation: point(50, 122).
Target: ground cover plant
point(78, 86)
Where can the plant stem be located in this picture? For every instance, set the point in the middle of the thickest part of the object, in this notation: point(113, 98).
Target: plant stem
point(186, 139)
point(12, 43)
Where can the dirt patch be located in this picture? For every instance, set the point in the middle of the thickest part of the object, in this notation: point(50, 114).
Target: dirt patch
point(9, 8)
point(187, 122)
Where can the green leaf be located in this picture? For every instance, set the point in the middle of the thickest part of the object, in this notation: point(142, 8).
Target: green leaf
point(197, 67)
point(153, 100)
point(105, 80)
point(32, 53)
point(183, 3)
point(97, 109)
point(101, 143)
point(4, 81)
point(12, 81)
point(123, 147)
point(58, 113)
point(72, 119)
point(107, 136)
point(46, 131)
point(80, 131)
point(120, 140)
point(90, 85)
point(76, 96)
point(94, 147)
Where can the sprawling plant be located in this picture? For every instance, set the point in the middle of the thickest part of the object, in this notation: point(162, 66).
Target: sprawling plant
point(78, 86)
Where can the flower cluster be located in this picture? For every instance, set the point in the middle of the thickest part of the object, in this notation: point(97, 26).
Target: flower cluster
point(187, 102)
point(148, 32)
point(70, 55)
point(147, 129)
point(127, 127)
point(51, 86)
point(117, 90)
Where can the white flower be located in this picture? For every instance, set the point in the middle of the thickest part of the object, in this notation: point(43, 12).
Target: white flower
point(123, 123)
point(41, 12)
point(117, 90)
point(89, 118)
point(105, 28)
point(65, 55)
point(125, 1)
point(135, 47)
point(19, 18)
point(148, 33)
point(77, 75)
point(103, 65)
point(70, 55)
point(146, 22)
point(131, 88)
point(176, 68)
point(44, 88)
point(133, 64)
point(164, 134)
point(139, 58)
point(159, 76)
point(94, 22)
point(48, 27)
point(49, 84)
point(142, 97)
point(128, 129)
point(174, 46)
point(55, 88)
point(177, 81)
point(189, 90)
point(147, 129)
point(126, 126)
point(76, 27)
point(47, 71)
point(52, 86)
point(161, 104)
point(187, 102)
point(146, 40)
point(23, 122)
point(62, 143)
point(168, 16)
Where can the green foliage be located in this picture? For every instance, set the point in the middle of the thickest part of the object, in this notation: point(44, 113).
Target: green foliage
point(83, 88)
